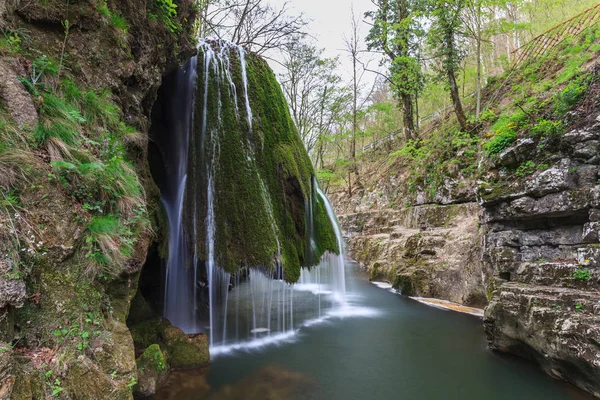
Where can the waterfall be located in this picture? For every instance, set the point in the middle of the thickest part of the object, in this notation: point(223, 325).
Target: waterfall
point(179, 282)
point(255, 305)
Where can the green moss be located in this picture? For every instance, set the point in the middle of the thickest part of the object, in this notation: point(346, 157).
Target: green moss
point(152, 359)
point(183, 351)
point(262, 176)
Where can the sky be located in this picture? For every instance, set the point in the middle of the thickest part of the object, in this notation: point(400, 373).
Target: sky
point(329, 22)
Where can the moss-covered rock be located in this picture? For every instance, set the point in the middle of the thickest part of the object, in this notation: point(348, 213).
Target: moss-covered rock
point(85, 380)
point(261, 171)
point(98, 83)
point(153, 370)
point(183, 351)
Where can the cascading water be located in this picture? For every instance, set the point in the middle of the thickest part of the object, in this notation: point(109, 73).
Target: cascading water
point(255, 305)
point(180, 278)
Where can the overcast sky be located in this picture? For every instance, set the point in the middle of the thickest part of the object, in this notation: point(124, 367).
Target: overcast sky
point(329, 22)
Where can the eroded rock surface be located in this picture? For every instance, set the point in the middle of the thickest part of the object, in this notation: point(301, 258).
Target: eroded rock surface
point(423, 250)
point(543, 248)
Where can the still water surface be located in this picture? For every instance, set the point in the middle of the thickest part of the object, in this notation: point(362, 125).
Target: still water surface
point(391, 348)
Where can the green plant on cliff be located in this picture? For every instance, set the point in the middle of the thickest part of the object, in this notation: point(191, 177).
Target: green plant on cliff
point(582, 274)
point(109, 246)
point(165, 11)
point(504, 133)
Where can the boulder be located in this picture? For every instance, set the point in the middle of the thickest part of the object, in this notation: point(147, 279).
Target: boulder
point(152, 370)
point(183, 351)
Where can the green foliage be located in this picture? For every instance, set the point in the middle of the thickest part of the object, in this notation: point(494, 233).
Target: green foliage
point(504, 133)
point(58, 119)
point(395, 32)
point(11, 40)
point(115, 19)
point(447, 152)
point(165, 11)
point(582, 275)
point(118, 22)
point(488, 116)
point(500, 141)
point(109, 244)
point(525, 169)
point(109, 186)
point(546, 128)
point(569, 96)
point(132, 383)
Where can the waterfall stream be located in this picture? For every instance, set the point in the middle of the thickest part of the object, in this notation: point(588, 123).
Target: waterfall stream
point(254, 306)
point(179, 282)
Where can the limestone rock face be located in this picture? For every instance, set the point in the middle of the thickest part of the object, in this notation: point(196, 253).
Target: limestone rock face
point(428, 250)
point(542, 246)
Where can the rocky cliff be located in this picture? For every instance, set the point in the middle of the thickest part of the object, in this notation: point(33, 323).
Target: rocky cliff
point(542, 245)
point(76, 202)
point(505, 215)
point(426, 250)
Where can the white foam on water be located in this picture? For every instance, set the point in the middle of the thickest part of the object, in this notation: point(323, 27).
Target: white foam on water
point(382, 285)
point(255, 344)
point(386, 286)
point(260, 330)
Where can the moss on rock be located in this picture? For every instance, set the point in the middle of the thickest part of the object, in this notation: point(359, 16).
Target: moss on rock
point(153, 370)
point(261, 170)
point(183, 351)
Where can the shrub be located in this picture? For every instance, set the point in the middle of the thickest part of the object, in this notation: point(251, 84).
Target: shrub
point(582, 275)
point(109, 245)
point(526, 169)
point(500, 142)
point(165, 11)
point(568, 97)
point(505, 133)
point(545, 128)
point(110, 187)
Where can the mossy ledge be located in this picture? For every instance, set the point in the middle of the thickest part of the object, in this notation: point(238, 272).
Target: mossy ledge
point(262, 174)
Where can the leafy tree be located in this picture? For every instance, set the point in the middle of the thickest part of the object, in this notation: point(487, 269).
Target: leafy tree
point(395, 31)
point(313, 91)
point(444, 37)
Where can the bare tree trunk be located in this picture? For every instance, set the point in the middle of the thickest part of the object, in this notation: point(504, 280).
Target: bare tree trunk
point(478, 19)
point(407, 116)
point(460, 114)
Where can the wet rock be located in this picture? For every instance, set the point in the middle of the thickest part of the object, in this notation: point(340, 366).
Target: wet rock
point(579, 135)
point(557, 327)
point(426, 251)
point(586, 150)
point(552, 180)
point(12, 288)
point(85, 380)
point(7, 379)
point(594, 215)
point(590, 232)
point(152, 370)
point(184, 351)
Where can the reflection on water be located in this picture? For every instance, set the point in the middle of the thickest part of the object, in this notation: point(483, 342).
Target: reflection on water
point(269, 383)
point(380, 346)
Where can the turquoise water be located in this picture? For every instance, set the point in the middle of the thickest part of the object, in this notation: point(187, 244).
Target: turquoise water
point(383, 346)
